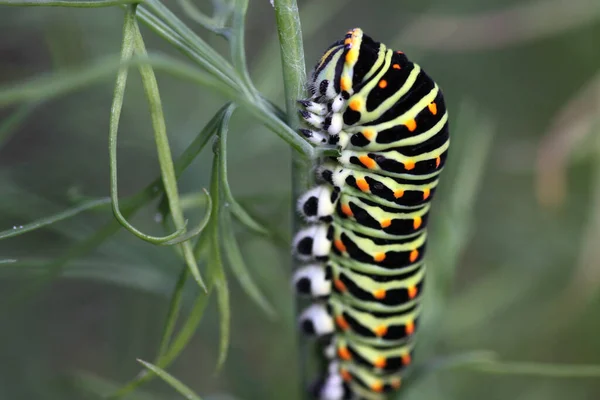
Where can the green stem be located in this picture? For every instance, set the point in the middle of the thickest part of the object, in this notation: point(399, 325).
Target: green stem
point(294, 76)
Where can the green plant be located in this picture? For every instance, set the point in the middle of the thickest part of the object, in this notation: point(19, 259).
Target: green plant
point(208, 68)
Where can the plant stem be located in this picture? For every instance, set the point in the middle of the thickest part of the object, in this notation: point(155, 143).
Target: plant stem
point(294, 76)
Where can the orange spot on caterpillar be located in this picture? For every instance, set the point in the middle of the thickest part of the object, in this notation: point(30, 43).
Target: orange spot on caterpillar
point(345, 83)
point(412, 292)
point(437, 162)
point(380, 362)
point(409, 164)
point(426, 193)
point(339, 245)
point(396, 66)
point(385, 223)
point(348, 41)
point(368, 134)
point(351, 56)
point(362, 185)
point(345, 375)
point(382, 84)
point(339, 285)
point(417, 221)
point(367, 162)
point(398, 193)
point(411, 125)
point(344, 353)
point(379, 294)
point(396, 382)
point(347, 210)
point(406, 359)
point(409, 328)
point(400, 52)
point(341, 322)
point(380, 330)
point(432, 108)
point(379, 257)
point(355, 104)
point(377, 386)
point(413, 255)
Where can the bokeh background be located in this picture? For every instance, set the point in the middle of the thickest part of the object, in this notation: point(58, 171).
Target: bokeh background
point(514, 255)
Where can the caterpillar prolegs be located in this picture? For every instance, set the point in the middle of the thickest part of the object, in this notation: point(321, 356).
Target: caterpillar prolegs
point(366, 220)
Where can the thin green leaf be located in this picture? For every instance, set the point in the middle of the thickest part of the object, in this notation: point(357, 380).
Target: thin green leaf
point(216, 23)
point(243, 217)
point(177, 345)
point(194, 200)
point(164, 153)
point(173, 313)
point(68, 3)
point(127, 49)
point(188, 329)
point(198, 229)
point(224, 313)
point(237, 42)
point(240, 213)
point(238, 266)
point(232, 251)
point(215, 264)
point(172, 381)
point(40, 223)
point(199, 142)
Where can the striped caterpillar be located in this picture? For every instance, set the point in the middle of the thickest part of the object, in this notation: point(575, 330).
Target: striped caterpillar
point(365, 237)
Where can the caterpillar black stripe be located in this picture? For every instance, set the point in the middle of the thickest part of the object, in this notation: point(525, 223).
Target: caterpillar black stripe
point(366, 234)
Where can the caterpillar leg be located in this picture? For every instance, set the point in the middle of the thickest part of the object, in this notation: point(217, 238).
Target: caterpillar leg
point(316, 321)
point(318, 203)
point(312, 280)
point(313, 243)
point(331, 386)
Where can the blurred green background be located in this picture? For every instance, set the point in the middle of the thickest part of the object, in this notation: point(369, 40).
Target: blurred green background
point(514, 255)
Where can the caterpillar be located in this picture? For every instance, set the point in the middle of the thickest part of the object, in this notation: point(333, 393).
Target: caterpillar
point(364, 240)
